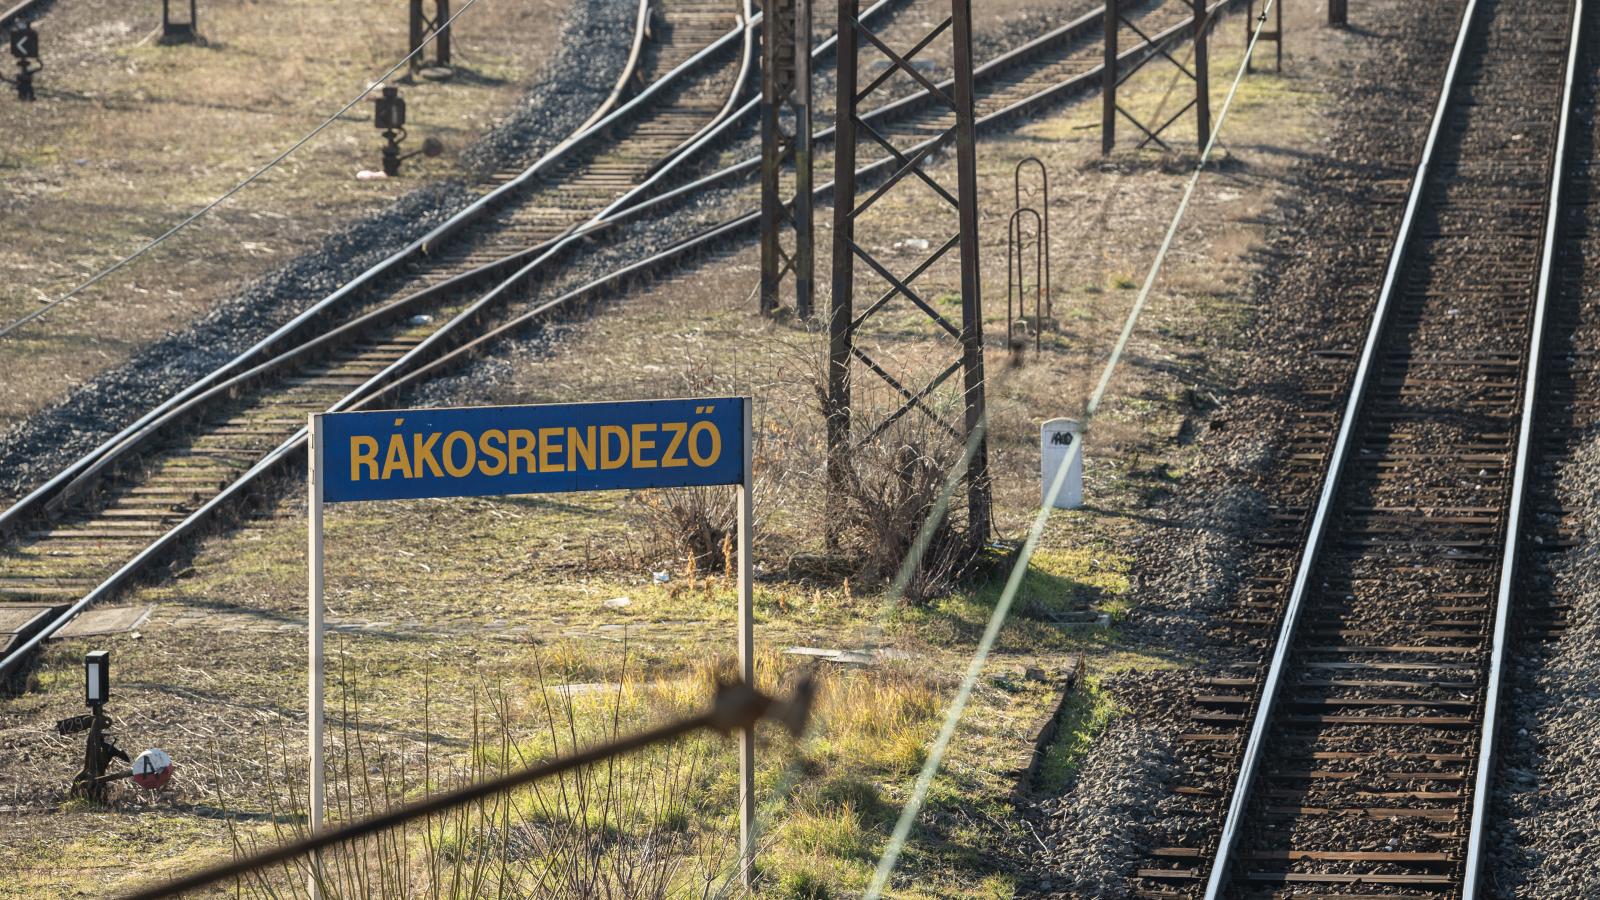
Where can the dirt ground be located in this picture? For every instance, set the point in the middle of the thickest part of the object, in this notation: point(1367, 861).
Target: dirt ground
point(129, 136)
point(467, 589)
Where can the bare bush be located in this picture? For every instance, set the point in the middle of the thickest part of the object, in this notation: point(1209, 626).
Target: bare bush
point(697, 523)
point(890, 488)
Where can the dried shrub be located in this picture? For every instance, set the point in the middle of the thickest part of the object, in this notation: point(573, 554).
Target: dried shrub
point(697, 523)
point(890, 489)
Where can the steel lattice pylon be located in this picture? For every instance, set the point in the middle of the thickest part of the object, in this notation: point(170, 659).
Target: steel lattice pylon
point(786, 88)
point(1113, 75)
point(422, 26)
point(1274, 34)
point(844, 319)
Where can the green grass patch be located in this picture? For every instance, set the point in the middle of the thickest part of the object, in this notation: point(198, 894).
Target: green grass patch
point(1084, 716)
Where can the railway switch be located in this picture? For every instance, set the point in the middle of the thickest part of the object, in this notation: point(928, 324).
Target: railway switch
point(152, 769)
point(389, 116)
point(25, 47)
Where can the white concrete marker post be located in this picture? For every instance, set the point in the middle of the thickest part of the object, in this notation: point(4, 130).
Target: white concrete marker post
point(747, 659)
point(314, 670)
point(1058, 440)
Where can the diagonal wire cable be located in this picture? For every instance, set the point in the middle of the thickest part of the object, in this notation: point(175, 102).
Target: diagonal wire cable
point(198, 214)
point(913, 807)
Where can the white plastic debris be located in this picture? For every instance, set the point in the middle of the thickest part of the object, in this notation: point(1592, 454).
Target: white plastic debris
point(421, 319)
point(370, 175)
point(661, 577)
point(618, 603)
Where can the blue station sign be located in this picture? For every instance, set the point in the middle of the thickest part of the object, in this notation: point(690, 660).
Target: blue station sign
point(489, 450)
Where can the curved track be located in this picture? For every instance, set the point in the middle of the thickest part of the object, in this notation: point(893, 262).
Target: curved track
point(79, 532)
point(114, 514)
point(1362, 747)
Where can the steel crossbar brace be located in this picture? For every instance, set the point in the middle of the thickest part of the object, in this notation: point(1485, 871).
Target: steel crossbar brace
point(1113, 75)
point(412, 369)
point(423, 25)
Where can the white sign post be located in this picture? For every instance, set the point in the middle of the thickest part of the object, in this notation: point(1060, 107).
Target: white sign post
point(482, 451)
point(747, 661)
point(314, 669)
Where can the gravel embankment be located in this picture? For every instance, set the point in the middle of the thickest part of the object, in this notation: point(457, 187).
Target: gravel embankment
point(1546, 816)
point(1099, 825)
point(1547, 822)
point(595, 42)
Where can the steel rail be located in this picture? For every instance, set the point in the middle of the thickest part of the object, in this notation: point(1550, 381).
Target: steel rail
point(1083, 26)
point(84, 480)
point(732, 226)
point(435, 239)
point(634, 198)
point(22, 321)
point(1218, 876)
point(78, 475)
point(746, 61)
point(125, 443)
point(630, 69)
point(398, 371)
point(1513, 539)
point(14, 514)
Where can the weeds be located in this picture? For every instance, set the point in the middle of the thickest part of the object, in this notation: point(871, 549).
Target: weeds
point(698, 523)
point(631, 827)
point(889, 489)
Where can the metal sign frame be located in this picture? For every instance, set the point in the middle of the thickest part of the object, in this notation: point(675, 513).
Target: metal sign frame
point(627, 477)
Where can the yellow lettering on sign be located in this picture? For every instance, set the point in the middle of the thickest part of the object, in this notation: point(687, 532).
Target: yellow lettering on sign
point(549, 443)
point(363, 454)
point(580, 448)
point(396, 459)
point(486, 446)
point(640, 445)
point(522, 450)
point(704, 460)
point(459, 438)
point(422, 456)
point(673, 457)
point(609, 460)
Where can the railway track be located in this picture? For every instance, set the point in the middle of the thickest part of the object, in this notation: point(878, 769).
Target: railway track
point(80, 537)
point(75, 533)
point(1356, 760)
point(1047, 70)
point(25, 9)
